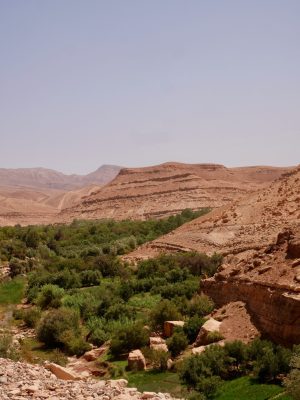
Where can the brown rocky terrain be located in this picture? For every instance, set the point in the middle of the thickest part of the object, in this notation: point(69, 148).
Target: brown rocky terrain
point(167, 189)
point(260, 237)
point(37, 195)
point(21, 381)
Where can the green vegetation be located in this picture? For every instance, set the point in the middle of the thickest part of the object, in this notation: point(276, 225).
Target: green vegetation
point(80, 292)
point(292, 381)
point(206, 372)
point(246, 388)
point(153, 381)
point(12, 292)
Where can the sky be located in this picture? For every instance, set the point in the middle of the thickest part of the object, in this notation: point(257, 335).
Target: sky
point(141, 82)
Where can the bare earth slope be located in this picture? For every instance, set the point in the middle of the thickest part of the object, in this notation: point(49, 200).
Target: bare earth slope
point(260, 235)
point(163, 190)
point(36, 195)
point(252, 222)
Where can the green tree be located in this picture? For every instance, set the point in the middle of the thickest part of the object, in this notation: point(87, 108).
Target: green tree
point(177, 343)
point(164, 311)
point(50, 296)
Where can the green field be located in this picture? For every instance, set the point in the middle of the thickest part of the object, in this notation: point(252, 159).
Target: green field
point(150, 381)
point(12, 292)
point(246, 388)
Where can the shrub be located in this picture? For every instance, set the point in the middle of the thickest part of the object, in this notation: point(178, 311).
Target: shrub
point(192, 327)
point(209, 385)
point(158, 359)
point(132, 336)
point(73, 343)
point(214, 337)
point(98, 337)
point(292, 381)
point(177, 343)
point(31, 316)
point(50, 296)
point(7, 349)
point(55, 323)
point(200, 305)
point(119, 311)
point(164, 311)
point(90, 278)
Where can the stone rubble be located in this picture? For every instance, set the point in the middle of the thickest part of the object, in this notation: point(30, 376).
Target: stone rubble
point(20, 381)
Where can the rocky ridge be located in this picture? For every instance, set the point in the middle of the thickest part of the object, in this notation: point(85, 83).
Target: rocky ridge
point(167, 189)
point(20, 381)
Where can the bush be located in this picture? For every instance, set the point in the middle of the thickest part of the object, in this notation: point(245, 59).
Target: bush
point(177, 343)
point(132, 336)
point(214, 337)
point(209, 385)
point(31, 316)
point(292, 381)
point(119, 311)
point(7, 349)
point(55, 323)
point(192, 327)
point(50, 296)
point(164, 311)
point(90, 278)
point(200, 305)
point(98, 337)
point(74, 344)
point(158, 359)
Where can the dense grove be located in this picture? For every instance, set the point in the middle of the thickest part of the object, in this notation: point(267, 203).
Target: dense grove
point(261, 359)
point(81, 293)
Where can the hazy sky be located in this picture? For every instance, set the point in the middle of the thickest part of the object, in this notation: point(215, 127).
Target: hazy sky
point(140, 82)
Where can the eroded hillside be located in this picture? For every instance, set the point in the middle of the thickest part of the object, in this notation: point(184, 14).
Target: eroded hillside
point(158, 191)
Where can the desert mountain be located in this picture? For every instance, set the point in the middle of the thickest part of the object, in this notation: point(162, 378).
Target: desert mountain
point(36, 195)
point(166, 189)
point(260, 234)
point(50, 179)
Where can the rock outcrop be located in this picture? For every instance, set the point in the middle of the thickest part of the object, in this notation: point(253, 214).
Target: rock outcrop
point(209, 327)
point(169, 327)
point(157, 343)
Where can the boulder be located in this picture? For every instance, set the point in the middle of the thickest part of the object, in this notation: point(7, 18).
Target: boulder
point(170, 325)
point(136, 361)
point(92, 355)
point(62, 373)
point(211, 325)
point(158, 343)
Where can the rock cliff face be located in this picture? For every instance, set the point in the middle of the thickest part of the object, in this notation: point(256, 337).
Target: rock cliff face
point(167, 189)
